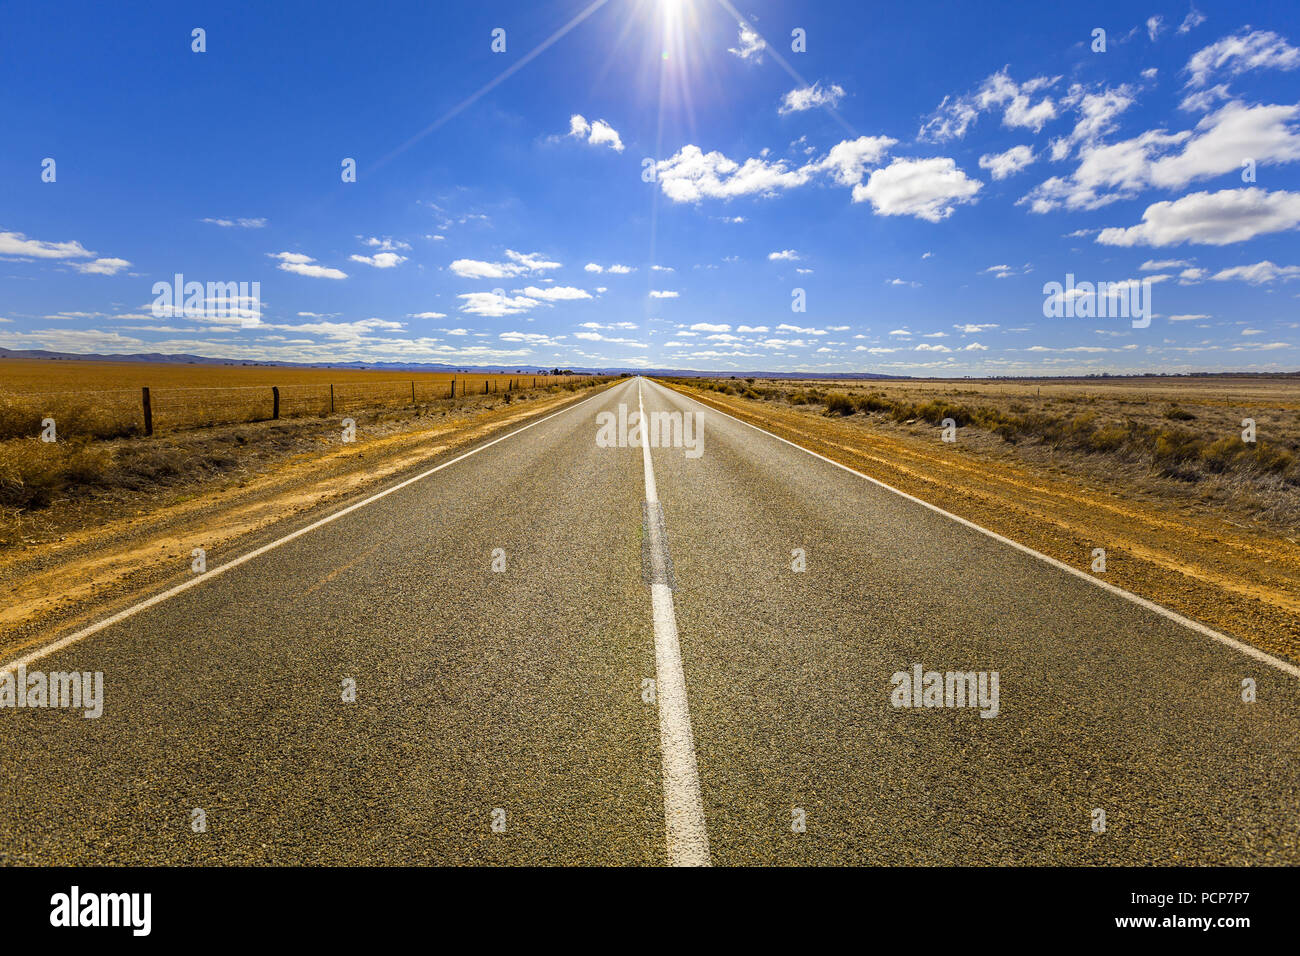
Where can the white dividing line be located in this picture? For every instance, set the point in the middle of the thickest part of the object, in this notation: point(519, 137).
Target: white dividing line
point(134, 609)
point(688, 838)
point(1284, 666)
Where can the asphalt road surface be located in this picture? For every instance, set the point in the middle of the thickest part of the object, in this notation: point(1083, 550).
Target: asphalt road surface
point(649, 680)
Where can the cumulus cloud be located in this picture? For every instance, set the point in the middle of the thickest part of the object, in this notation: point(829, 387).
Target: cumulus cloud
point(810, 97)
point(786, 255)
point(598, 133)
point(385, 244)
point(1210, 218)
point(616, 269)
point(559, 293)
point(749, 45)
point(1156, 158)
point(925, 188)
point(495, 304)
point(380, 260)
point(1002, 165)
point(1260, 273)
point(303, 265)
point(1246, 50)
point(1096, 110)
point(691, 175)
point(955, 115)
point(17, 244)
point(101, 267)
point(520, 263)
point(663, 294)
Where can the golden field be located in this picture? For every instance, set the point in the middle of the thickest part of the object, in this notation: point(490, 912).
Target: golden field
point(89, 399)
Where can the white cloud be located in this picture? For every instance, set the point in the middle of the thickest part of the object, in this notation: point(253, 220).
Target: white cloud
point(597, 133)
point(786, 255)
point(1153, 26)
point(17, 244)
point(925, 188)
point(847, 161)
point(303, 265)
point(1245, 50)
point(380, 260)
point(530, 338)
point(1190, 22)
point(1109, 172)
point(386, 244)
point(1002, 165)
point(1204, 100)
point(494, 304)
point(1159, 265)
point(956, 114)
point(710, 327)
point(691, 174)
point(752, 328)
point(1210, 218)
point(241, 223)
point(1097, 113)
point(520, 264)
point(428, 315)
point(810, 97)
point(557, 293)
point(1258, 274)
point(749, 45)
point(663, 294)
point(101, 267)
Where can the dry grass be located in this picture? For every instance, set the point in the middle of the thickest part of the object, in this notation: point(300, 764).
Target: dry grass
point(104, 400)
point(206, 431)
point(1177, 436)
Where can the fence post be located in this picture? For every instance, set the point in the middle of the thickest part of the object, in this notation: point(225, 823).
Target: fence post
point(275, 402)
point(148, 411)
point(331, 399)
point(412, 393)
point(453, 387)
point(485, 386)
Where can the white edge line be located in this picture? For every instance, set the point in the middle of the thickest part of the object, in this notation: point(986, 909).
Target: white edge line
point(134, 609)
point(1247, 649)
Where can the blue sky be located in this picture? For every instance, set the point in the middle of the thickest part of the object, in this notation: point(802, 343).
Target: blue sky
point(919, 171)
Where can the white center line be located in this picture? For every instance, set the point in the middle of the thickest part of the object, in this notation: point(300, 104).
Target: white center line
point(688, 838)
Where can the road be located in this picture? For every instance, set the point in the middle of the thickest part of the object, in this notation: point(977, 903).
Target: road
point(507, 716)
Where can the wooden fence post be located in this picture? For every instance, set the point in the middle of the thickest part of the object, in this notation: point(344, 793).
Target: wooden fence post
point(148, 411)
point(331, 399)
point(453, 388)
point(412, 393)
point(275, 402)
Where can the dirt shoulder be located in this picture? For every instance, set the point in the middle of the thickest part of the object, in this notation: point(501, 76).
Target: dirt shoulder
point(88, 558)
point(1241, 581)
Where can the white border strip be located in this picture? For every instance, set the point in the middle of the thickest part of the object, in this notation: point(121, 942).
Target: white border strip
point(1247, 649)
point(134, 609)
point(688, 836)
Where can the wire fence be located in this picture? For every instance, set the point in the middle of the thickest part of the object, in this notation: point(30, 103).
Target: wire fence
point(120, 412)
